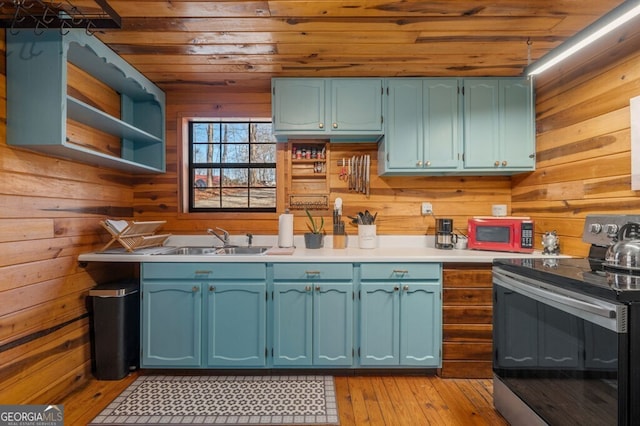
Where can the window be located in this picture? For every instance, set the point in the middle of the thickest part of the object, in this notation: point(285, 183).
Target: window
point(232, 166)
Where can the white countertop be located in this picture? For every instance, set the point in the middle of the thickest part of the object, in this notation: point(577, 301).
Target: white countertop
point(391, 248)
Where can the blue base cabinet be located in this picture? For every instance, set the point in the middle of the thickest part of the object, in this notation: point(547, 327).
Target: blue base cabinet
point(171, 324)
point(400, 315)
point(236, 324)
point(313, 315)
point(203, 315)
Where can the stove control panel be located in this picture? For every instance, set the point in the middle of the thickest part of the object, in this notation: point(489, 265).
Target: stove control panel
point(602, 230)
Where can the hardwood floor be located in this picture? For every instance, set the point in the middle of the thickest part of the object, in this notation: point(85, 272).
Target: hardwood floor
point(362, 400)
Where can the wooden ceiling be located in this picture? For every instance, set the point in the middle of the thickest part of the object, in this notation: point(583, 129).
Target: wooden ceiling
point(240, 45)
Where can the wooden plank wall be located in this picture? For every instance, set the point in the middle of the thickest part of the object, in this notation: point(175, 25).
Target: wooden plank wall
point(50, 213)
point(583, 142)
point(396, 199)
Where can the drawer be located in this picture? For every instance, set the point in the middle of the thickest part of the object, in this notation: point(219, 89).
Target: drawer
point(400, 271)
point(313, 271)
point(200, 271)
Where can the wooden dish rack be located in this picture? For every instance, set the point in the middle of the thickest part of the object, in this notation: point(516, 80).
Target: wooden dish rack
point(134, 235)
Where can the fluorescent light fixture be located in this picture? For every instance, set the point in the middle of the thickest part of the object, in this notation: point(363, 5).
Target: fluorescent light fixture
point(609, 22)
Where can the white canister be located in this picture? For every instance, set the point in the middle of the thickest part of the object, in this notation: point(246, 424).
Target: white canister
point(367, 236)
point(499, 210)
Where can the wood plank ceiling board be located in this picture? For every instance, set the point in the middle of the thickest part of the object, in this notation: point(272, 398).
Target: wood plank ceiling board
point(241, 45)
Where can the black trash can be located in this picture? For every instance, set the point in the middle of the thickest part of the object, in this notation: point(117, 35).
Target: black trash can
point(116, 329)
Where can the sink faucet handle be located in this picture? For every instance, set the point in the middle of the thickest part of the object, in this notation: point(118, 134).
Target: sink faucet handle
point(249, 238)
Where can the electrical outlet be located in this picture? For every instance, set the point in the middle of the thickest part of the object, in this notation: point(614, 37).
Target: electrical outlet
point(426, 209)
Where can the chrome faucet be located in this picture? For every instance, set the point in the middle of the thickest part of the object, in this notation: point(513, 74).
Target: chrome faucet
point(224, 238)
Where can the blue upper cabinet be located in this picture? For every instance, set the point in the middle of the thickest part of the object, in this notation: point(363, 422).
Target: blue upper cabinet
point(38, 77)
point(433, 127)
point(337, 109)
point(499, 125)
point(423, 132)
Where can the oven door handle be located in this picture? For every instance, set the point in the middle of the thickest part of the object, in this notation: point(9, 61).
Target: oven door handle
point(609, 315)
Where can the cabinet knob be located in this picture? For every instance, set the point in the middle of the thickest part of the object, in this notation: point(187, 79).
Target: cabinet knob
point(497, 163)
point(396, 288)
point(428, 163)
point(321, 125)
point(307, 288)
point(419, 163)
point(504, 163)
point(195, 289)
point(335, 125)
point(317, 288)
point(405, 288)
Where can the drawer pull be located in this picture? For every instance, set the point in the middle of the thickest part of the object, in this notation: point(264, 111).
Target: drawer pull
point(400, 271)
point(312, 272)
point(203, 272)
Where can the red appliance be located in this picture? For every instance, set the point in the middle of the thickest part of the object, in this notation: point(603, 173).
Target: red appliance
point(514, 234)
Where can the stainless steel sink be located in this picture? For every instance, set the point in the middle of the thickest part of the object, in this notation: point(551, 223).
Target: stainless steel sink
point(242, 250)
point(217, 251)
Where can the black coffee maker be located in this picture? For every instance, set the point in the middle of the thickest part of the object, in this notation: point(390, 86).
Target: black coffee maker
point(444, 234)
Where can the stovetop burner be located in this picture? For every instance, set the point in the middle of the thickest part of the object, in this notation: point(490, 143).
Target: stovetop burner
point(582, 275)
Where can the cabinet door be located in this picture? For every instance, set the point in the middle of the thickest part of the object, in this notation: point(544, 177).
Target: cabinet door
point(379, 324)
point(420, 324)
point(517, 133)
point(356, 105)
point(333, 324)
point(442, 129)
point(403, 135)
point(292, 324)
point(236, 324)
point(171, 324)
point(298, 104)
point(481, 124)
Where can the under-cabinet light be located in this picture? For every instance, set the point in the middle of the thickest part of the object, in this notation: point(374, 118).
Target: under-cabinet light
point(609, 22)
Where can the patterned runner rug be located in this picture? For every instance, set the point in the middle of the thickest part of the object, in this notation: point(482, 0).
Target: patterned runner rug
point(215, 400)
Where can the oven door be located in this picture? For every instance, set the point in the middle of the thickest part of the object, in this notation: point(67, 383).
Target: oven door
point(561, 353)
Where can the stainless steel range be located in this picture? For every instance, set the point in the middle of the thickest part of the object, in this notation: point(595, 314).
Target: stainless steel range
point(567, 332)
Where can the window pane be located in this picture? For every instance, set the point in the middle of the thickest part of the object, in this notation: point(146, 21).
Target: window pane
point(235, 153)
point(235, 198)
point(206, 153)
point(263, 178)
point(206, 178)
point(262, 198)
point(206, 132)
point(263, 133)
point(235, 177)
point(263, 153)
point(235, 132)
point(207, 198)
